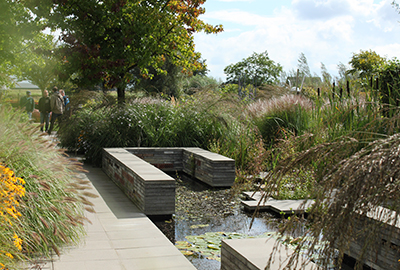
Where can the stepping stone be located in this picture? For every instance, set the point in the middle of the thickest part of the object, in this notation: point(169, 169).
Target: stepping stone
point(251, 195)
point(278, 206)
point(253, 254)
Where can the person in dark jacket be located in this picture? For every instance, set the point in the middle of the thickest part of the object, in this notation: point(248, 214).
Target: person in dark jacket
point(28, 104)
point(44, 109)
point(57, 108)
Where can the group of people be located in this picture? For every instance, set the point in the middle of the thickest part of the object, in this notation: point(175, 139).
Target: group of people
point(51, 107)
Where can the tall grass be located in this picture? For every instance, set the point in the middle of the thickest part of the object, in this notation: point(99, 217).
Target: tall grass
point(208, 119)
point(279, 117)
point(144, 122)
point(52, 208)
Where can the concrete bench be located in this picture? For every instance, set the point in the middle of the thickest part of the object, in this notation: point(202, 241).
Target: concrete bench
point(149, 188)
point(139, 172)
point(211, 168)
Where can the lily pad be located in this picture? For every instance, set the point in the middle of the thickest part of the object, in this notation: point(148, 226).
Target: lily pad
point(182, 244)
point(199, 226)
point(214, 247)
point(187, 252)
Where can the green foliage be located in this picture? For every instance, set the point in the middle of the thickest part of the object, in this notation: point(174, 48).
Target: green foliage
point(17, 25)
point(155, 124)
point(304, 68)
point(297, 185)
point(40, 64)
point(281, 117)
point(196, 83)
point(389, 80)
point(105, 41)
point(168, 82)
point(310, 93)
point(241, 143)
point(230, 88)
point(366, 63)
point(257, 69)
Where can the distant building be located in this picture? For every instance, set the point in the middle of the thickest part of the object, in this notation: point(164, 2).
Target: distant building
point(24, 85)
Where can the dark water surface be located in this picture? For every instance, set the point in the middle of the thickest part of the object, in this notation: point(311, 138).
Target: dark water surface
point(201, 209)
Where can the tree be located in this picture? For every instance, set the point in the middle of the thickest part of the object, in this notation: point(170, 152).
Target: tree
point(304, 68)
point(257, 69)
point(326, 77)
point(171, 82)
point(40, 64)
point(17, 25)
point(105, 40)
point(166, 83)
point(389, 85)
point(366, 64)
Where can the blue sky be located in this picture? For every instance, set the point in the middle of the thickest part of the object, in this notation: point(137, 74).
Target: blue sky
point(326, 31)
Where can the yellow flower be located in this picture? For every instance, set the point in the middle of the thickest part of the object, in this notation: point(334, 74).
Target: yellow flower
point(9, 255)
point(17, 241)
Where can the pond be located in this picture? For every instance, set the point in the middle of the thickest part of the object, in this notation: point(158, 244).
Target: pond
point(204, 216)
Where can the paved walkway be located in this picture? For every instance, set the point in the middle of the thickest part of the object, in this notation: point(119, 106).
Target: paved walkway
point(120, 236)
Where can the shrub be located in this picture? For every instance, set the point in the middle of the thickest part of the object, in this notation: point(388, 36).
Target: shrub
point(389, 86)
point(142, 123)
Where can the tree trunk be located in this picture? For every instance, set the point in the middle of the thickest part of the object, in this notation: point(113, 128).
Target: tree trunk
point(121, 95)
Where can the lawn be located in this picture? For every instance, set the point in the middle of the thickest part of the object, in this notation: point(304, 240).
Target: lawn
point(16, 94)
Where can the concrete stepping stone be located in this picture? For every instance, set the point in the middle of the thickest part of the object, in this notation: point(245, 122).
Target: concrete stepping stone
point(253, 254)
point(278, 206)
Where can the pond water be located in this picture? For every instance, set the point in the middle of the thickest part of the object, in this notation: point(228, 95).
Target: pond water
point(204, 216)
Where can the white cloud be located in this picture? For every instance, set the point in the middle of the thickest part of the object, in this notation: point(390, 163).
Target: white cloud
point(330, 39)
point(236, 16)
point(325, 9)
point(235, 0)
point(390, 50)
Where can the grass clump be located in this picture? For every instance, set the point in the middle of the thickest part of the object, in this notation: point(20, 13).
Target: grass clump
point(277, 118)
point(49, 214)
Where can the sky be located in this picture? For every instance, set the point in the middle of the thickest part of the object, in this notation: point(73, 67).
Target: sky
point(326, 31)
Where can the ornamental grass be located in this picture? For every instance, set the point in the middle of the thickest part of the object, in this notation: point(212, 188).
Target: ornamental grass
point(42, 198)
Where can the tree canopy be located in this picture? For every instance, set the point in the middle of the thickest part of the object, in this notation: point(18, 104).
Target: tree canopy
point(105, 40)
point(17, 25)
point(366, 63)
point(257, 69)
point(39, 62)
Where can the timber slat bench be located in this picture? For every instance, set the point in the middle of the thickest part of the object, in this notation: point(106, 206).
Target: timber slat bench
point(139, 172)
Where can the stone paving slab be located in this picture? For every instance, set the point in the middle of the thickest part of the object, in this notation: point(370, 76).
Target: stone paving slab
point(278, 206)
point(252, 195)
point(253, 254)
point(120, 236)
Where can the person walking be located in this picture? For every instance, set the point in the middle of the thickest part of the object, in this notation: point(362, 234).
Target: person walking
point(57, 108)
point(66, 102)
point(28, 104)
point(44, 109)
